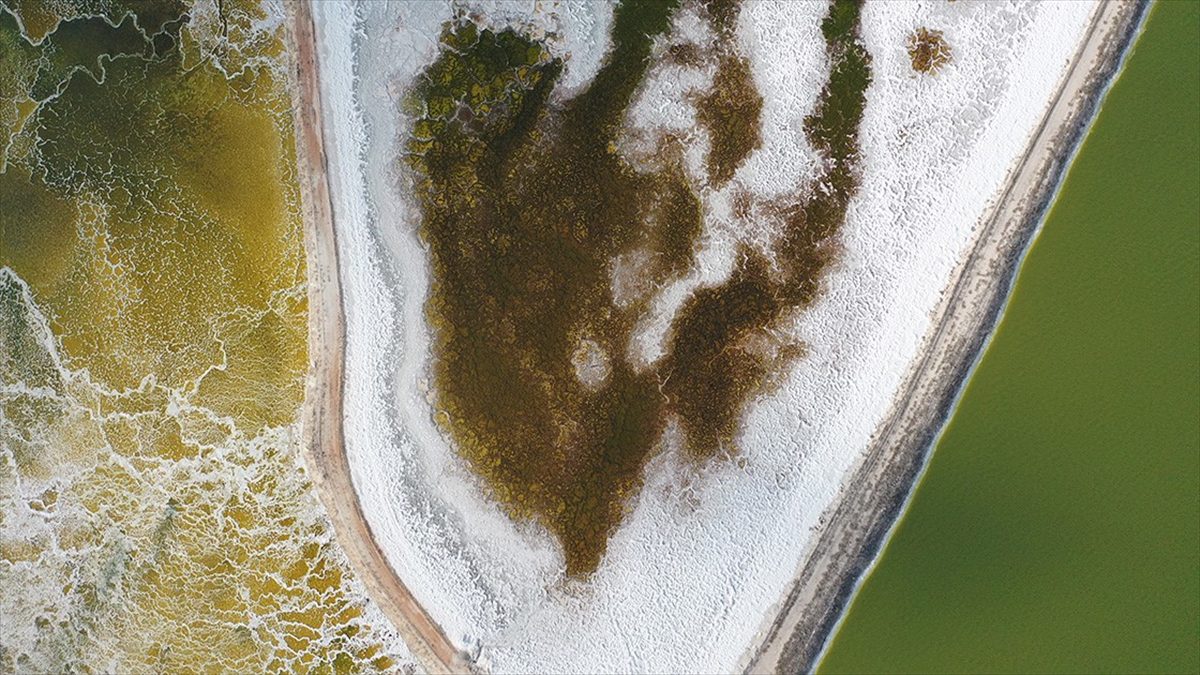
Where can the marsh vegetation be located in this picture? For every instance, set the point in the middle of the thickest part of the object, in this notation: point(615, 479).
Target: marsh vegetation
point(527, 204)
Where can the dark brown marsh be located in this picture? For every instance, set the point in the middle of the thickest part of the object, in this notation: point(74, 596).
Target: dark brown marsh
point(526, 203)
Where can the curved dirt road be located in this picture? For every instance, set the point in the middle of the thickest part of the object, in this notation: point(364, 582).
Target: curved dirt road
point(324, 450)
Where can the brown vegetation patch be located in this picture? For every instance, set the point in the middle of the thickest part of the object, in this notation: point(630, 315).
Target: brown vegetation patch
point(928, 50)
point(530, 213)
point(731, 113)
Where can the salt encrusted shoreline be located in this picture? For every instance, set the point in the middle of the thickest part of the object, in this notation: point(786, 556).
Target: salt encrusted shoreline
point(324, 446)
point(877, 494)
point(706, 553)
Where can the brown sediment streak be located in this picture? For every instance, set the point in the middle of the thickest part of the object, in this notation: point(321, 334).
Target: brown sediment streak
point(527, 209)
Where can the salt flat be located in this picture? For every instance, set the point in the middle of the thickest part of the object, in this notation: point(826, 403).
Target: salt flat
point(705, 555)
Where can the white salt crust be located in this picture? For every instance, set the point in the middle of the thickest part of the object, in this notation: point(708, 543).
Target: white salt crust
point(704, 554)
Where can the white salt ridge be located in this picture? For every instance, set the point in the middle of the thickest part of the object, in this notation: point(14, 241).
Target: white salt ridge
point(693, 573)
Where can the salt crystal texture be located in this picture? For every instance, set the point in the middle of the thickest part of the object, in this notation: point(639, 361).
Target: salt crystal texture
point(705, 553)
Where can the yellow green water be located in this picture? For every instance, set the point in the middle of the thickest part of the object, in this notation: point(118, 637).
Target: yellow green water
point(1058, 526)
point(153, 512)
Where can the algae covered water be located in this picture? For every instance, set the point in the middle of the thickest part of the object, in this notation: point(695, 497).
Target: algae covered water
point(153, 317)
point(1058, 525)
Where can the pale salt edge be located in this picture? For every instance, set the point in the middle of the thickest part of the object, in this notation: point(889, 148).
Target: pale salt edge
point(704, 555)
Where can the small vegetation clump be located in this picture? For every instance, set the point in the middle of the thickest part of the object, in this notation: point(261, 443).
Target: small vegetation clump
point(928, 50)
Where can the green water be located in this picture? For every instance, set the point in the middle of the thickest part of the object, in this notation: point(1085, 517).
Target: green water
point(1057, 526)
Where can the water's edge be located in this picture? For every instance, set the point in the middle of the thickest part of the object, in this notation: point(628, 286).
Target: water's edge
point(892, 489)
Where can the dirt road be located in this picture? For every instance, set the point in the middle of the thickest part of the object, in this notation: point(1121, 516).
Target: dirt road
point(324, 451)
point(856, 527)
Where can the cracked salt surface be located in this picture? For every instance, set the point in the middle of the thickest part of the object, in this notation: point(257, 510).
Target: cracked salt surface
point(693, 574)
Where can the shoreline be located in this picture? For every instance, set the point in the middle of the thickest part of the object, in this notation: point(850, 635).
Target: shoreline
point(323, 446)
point(859, 523)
